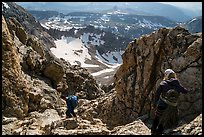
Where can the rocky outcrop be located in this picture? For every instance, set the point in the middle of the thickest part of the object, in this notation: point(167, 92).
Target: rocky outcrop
point(137, 127)
point(54, 71)
point(192, 128)
point(16, 27)
point(33, 81)
point(35, 124)
point(82, 82)
point(50, 123)
point(144, 62)
point(33, 78)
point(28, 23)
point(14, 88)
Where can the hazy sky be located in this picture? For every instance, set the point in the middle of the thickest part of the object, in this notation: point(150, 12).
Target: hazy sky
point(188, 5)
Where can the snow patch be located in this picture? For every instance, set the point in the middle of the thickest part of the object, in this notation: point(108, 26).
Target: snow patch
point(105, 18)
point(90, 38)
point(117, 12)
point(5, 5)
point(107, 77)
point(108, 61)
point(102, 71)
point(75, 51)
point(44, 26)
point(114, 57)
point(192, 20)
point(75, 31)
point(72, 50)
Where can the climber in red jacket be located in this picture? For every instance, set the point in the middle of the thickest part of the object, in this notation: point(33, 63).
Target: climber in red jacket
point(166, 98)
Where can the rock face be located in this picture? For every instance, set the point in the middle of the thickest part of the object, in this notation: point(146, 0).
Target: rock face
point(28, 22)
point(50, 123)
point(14, 89)
point(192, 128)
point(144, 62)
point(33, 78)
point(135, 128)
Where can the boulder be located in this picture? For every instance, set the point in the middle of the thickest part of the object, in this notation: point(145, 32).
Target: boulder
point(54, 70)
point(144, 62)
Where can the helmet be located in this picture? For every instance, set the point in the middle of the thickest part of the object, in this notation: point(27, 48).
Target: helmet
point(167, 72)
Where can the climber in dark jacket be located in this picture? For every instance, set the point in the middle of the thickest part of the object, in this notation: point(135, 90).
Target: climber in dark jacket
point(161, 103)
point(72, 102)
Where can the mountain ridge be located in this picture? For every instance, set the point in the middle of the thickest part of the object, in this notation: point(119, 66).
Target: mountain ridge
point(178, 14)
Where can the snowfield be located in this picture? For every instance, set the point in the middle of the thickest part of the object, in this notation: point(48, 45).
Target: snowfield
point(72, 50)
point(75, 51)
point(5, 5)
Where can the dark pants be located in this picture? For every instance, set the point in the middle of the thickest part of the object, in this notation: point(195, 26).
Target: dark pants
point(70, 113)
point(157, 127)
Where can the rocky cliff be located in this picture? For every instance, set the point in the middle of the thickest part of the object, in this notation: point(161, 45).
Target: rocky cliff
point(144, 62)
point(28, 22)
point(33, 80)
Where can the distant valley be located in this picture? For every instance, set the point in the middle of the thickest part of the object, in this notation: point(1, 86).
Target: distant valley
point(96, 41)
point(117, 22)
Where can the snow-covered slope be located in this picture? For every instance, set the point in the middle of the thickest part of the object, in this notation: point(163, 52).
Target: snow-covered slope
point(67, 22)
point(77, 51)
point(72, 50)
point(95, 39)
point(117, 22)
point(194, 25)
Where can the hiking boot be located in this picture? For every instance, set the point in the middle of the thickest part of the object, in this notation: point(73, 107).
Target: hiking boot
point(68, 116)
point(156, 133)
point(153, 132)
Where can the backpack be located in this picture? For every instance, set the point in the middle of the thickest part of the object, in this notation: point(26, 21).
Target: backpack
point(170, 97)
point(74, 100)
